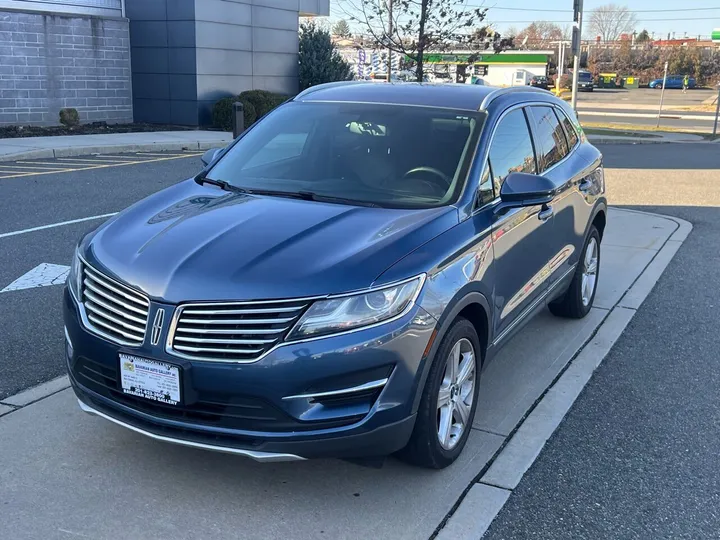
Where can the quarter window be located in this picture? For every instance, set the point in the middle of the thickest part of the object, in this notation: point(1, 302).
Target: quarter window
point(485, 190)
point(570, 130)
point(511, 150)
point(550, 136)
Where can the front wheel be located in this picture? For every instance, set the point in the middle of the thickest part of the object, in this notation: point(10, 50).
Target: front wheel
point(447, 407)
point(579, 298)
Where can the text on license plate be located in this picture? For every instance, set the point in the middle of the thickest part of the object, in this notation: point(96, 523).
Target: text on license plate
point(150, 379)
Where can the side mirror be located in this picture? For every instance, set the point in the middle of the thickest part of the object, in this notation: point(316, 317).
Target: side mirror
point(523, 189)
point(209, 156)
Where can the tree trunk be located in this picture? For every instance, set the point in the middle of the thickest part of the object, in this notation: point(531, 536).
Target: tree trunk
point(421, 40)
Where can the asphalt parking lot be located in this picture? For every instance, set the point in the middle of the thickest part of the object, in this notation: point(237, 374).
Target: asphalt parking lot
point(397, 501)
point(44, 196)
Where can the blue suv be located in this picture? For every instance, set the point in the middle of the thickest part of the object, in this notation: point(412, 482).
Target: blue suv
point(333, 283)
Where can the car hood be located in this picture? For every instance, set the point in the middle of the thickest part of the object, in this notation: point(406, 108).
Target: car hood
point(192, 242)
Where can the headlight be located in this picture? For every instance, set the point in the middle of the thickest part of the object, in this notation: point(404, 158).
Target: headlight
point(75, 275)
point(349, 312)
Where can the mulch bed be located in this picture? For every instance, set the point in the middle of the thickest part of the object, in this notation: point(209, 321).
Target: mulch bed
point(95, 128)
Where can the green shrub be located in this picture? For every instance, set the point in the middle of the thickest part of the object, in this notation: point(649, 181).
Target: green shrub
point(263, 101)
point(69, 117)
point(222, 112)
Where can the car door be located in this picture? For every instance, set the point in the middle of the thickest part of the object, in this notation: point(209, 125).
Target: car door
point(570, 214)
point(522, 237)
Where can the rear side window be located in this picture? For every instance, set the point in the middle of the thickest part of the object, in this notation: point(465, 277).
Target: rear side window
point(511, 149)
point(572, 136)
point(549, 136)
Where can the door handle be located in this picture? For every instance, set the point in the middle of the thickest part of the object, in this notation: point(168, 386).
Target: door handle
point(546, 213)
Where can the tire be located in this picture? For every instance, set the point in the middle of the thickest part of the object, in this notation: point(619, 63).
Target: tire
point(577, 301)
point(425, 448)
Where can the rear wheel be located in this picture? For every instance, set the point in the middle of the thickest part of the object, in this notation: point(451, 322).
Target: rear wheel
point(579, 298)
point(447, 407)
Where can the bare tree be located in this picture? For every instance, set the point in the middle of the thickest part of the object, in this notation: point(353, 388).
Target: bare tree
point(418, 26)
point(540, 35)
point(612, 21)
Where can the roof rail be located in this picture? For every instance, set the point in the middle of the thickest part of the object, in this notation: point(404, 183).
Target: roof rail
point(492, 96)
point(323, 86)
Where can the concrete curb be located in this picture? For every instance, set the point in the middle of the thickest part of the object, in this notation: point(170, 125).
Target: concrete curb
point(72, 151)
point(483, 502)
point(36, 393)
point(627, 140)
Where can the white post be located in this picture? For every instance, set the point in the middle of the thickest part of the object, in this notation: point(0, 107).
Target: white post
point(122, 8)
point(717, 113)
point(662, 94)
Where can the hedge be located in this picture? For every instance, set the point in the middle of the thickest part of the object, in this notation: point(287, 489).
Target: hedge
point(256, 103)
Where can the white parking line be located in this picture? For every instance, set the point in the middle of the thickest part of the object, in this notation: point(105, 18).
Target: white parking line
point(53, 225)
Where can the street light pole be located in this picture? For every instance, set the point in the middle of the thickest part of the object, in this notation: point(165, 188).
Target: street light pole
point(390, 31)
point(577, 36)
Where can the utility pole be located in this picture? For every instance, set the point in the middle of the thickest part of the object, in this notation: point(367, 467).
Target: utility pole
point(390, 31)
point(576, 37)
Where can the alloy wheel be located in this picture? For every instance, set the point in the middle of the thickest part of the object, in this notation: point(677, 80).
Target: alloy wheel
point(456, 394)
point(590, 268)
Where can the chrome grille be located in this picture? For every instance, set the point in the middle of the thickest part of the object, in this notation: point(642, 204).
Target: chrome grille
point(113, 310)
point(238, 332)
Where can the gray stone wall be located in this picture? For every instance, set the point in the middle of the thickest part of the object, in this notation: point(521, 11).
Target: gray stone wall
point(48, 62)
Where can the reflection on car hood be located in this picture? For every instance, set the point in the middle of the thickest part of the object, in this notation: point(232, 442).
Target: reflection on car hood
point(193, 242)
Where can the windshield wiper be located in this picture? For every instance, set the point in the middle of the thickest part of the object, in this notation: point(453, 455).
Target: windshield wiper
point(311, 196)
point(201, 178)
point(302, 195)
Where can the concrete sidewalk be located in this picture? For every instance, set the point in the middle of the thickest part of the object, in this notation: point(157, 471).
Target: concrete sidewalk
point(80, 145)
point(645, 137)
point(64, 474)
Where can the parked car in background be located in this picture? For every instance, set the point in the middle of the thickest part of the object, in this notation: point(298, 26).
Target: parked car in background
point(439, 77)
point(675, 82)
point(540, 81)
point(585, 81)
point(334, 282)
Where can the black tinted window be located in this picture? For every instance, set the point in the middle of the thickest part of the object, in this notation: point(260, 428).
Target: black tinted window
point(550, 137)
point(570, 131)
point(511, 150)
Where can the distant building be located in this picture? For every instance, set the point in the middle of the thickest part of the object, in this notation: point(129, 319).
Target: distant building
point(160, 61)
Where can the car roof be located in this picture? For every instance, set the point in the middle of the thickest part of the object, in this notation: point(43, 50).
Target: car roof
point(457, 96)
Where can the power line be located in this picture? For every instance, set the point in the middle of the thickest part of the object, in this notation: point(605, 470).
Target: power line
point(570, 10)
point(570, 22)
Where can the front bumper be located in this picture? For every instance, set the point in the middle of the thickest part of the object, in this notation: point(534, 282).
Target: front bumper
point(217, 397)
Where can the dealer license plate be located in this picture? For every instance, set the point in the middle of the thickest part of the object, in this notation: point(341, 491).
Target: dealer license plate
point(150, 379)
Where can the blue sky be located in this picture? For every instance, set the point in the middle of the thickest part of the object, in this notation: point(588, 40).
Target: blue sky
point(664, 21)
point(703, 25)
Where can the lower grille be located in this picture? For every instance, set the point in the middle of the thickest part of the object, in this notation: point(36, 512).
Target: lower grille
point(246, 413)
point(238, 332)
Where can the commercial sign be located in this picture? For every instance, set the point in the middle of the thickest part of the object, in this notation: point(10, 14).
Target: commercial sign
point(716, 35)
point(485, 58)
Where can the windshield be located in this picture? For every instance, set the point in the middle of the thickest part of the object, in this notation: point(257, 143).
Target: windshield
point(585, 76)
point(390, 155)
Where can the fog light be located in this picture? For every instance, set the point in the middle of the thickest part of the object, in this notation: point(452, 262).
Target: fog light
point(69, 351)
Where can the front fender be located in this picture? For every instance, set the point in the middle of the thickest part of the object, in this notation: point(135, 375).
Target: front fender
point(462, 300)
